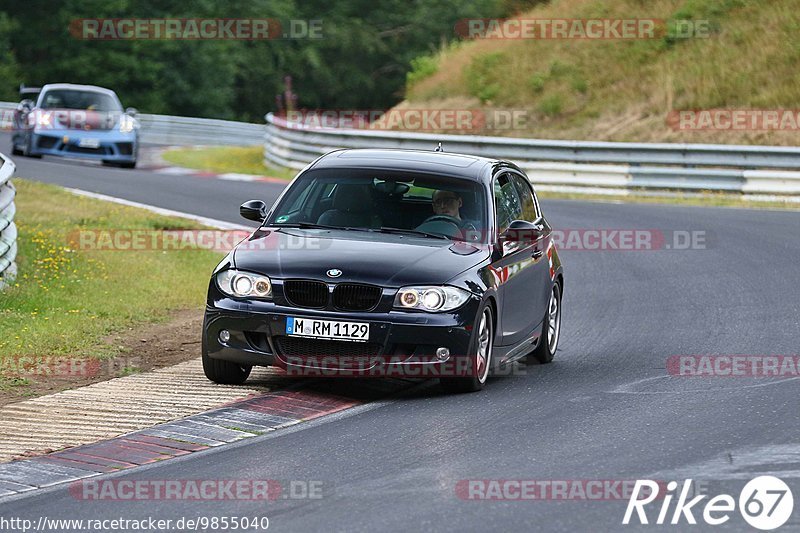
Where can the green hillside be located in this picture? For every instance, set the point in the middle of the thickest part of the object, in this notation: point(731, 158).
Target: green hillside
point(624, 90)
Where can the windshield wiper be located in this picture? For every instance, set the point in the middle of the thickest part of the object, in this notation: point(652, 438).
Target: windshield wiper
point(385, 229)
point(313, 225)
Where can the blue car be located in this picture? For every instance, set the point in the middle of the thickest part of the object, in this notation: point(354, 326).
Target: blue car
point(77, 121)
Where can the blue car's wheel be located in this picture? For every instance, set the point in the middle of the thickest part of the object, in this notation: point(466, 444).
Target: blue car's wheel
point(26, 150)
point(123, 164)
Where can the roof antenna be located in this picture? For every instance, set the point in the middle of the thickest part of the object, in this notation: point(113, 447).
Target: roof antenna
point(439, 148)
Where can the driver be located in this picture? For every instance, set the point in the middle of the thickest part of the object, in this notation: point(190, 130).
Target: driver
point(447, 203)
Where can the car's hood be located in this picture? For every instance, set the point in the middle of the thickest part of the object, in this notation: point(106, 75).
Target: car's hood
point(374, 258)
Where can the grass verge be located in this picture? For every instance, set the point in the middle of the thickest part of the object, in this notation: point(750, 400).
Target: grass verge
point(65, 301)
point(239, 159)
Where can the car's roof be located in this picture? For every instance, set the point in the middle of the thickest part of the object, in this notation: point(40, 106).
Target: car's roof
point(444, 163)
point(75, 87)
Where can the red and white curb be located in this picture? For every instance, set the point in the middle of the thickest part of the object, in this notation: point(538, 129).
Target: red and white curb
point(230, 423)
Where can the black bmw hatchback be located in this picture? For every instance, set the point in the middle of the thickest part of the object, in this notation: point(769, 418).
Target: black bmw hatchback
point(389, 263)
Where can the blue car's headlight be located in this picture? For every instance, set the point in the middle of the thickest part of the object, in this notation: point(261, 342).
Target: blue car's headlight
point(127, 124)
point(431, 298)
point(244, 284)
point(44, 120)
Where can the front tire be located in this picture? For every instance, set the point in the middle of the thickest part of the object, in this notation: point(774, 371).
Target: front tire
point(223, 372)
point(119, 164)
point(551, 330)
point(481, 358)
point(26, 150)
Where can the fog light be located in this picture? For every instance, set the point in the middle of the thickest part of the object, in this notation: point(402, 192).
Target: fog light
point(224, 335)
point(442, 353)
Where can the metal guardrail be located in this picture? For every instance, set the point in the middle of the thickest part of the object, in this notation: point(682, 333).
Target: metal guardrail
point(8, 230)
point(577, 165)
point(172, 130)
point(181, 131)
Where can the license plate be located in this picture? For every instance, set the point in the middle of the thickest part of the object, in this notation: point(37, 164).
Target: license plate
point(89, 143)
point(327, 329)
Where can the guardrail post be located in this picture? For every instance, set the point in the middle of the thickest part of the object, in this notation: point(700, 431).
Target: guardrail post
point(8, 230)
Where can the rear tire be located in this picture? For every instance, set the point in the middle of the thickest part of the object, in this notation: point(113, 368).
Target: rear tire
point(223, 372)
point(481, 357)
point(551, 330)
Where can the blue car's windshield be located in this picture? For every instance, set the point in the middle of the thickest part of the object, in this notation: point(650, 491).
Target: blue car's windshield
point(386, 201)
point(77, 99)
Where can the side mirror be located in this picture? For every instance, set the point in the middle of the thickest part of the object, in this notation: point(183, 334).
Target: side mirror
point(131, 111)
point(26, 105)
point(522, 231)
point(255, 210)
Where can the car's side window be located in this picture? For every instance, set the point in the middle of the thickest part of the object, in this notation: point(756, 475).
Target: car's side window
point(525, 192)
point(506, 201)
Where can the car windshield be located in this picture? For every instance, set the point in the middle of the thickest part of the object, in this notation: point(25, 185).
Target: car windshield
point(76, 99)
point(373, 200)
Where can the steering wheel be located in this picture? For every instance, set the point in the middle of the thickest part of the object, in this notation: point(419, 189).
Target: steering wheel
point(443, 218)
point(464, 228)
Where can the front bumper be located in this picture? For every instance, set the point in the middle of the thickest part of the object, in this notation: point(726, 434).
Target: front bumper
point(400, 343)
point(107, 145)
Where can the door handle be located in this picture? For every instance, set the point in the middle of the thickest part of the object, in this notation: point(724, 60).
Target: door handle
point(537, 254)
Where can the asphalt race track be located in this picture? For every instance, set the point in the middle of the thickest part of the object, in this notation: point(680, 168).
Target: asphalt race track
point(606, 409)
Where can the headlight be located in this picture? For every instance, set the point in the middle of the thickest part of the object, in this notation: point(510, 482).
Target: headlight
point(126, 124)
point(43, 120)
point(433, 299)
point(244, 284)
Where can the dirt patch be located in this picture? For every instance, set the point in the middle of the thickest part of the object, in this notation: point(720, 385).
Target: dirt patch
point(142, 348)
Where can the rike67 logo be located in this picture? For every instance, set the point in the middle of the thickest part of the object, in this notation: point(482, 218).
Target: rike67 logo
point(766, 503)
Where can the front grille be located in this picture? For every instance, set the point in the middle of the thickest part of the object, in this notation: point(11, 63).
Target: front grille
point(47, 143)
point(355, 297)
point(303, 293)
point(84, 150)
point(297, 347)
